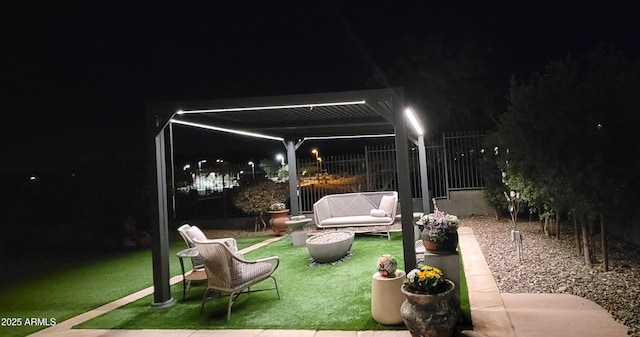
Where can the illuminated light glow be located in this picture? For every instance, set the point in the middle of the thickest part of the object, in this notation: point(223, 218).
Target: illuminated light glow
point(414, 121)
point(237, 132)
point(272, 107)
point(351, 136)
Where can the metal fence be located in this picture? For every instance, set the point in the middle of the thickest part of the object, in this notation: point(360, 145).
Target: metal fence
point(453, 163)
point(463, 152)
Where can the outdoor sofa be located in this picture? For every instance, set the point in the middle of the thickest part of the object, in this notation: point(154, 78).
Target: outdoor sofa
point(371, 212)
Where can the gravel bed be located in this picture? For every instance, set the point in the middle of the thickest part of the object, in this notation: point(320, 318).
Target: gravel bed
point(330, 237)
point(553, 266)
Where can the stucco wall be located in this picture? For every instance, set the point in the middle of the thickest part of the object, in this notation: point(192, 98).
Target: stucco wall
point(465, 203)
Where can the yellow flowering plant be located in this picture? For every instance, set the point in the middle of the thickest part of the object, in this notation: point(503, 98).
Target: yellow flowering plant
point(426, 280)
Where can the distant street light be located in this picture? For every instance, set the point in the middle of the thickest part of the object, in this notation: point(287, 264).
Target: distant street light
point(200, 163)
point(318, 161)
point(280, 157)
point(186, 167)
point(253, 169)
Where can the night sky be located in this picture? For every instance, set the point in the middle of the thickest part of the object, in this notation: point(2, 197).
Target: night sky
point(75, 75)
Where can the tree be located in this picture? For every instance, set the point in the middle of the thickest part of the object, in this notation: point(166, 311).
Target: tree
point(570, 132)
point(269, 167)
point(255, 198)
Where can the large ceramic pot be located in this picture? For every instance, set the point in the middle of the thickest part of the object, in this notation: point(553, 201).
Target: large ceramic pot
point(330, 246)
point(431, 315)
point(447, 246)
point(277, 222)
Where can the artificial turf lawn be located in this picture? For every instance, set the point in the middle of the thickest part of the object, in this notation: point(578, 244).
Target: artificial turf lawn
point(79, 287)
point(329, 297)
point(74, 288)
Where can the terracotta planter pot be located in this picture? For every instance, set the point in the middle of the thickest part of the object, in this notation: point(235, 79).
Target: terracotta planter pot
point(447, 246)
point(431, 315)
point(277, 222)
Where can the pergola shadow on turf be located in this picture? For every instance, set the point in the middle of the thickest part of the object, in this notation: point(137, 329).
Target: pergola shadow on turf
point(291, 120)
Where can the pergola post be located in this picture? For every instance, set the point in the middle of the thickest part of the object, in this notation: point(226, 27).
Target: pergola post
point(159, 222)
point(424, 178)
point(293, 177)
point(404, 187)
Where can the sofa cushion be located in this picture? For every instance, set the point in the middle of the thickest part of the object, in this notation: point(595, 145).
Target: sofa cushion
point(354, 220)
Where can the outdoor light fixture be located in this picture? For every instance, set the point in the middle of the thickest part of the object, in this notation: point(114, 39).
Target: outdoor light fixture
point(253, 169)
point(280, 157)
point(238, 132)
point(350, 136)
point(184, 168)
point(200, 163)
point(271, 107)
point(414, 121)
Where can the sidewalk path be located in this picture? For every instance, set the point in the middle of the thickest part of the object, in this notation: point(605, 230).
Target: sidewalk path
point(566, 315)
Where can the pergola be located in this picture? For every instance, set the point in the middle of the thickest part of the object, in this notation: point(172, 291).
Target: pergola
point(291, 120)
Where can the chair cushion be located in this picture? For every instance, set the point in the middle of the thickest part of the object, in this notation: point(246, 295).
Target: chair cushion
point(243, 272)
point(195, 233)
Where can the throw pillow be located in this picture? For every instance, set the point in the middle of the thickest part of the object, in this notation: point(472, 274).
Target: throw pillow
point(379, 213)
point(387, 204)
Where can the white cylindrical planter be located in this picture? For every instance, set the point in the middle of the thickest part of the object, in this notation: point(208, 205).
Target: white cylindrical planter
point(386, 298)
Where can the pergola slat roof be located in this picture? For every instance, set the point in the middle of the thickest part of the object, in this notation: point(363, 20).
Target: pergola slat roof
point(290, 117)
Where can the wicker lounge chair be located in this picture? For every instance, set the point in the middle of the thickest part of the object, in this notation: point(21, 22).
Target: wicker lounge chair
point(189, 233)
point(229, 273)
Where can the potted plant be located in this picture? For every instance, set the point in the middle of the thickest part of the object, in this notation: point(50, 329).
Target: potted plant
point(440, 233)
point(279, 215)
point(278, 207)
point(431, 308)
